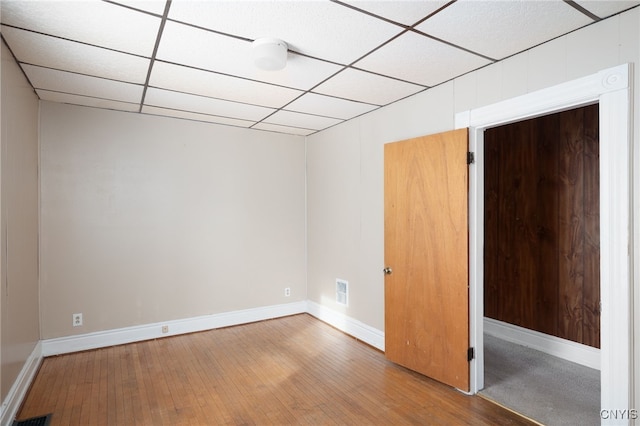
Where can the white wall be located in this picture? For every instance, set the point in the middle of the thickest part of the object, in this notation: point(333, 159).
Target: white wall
point(345, 200)
point(19, 315)
point(147, 219)
point(345, 163)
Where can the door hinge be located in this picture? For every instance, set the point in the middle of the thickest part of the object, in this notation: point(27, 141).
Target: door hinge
point(471, 158)
point(471, 354)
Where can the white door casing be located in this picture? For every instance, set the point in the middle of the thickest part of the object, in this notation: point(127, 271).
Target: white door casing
point(611, 88)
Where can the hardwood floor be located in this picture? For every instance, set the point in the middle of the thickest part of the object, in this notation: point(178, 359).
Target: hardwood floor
point(292, 370)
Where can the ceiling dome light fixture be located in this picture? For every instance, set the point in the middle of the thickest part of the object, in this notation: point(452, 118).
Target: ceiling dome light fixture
point(270, 54)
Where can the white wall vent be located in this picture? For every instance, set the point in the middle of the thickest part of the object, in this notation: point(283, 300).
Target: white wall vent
point(342, 292)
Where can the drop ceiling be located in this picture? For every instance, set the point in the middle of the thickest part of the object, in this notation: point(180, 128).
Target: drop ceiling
point(193, 59)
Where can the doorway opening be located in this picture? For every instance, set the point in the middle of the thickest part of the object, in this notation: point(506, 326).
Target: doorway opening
point(542, 264)
point(611, 90)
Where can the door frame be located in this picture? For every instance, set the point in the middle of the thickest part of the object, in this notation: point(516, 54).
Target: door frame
point(611, 88)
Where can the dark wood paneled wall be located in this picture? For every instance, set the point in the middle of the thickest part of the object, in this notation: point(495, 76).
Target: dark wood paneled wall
point(542, 235)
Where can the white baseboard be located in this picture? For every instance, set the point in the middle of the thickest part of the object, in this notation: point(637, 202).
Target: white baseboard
point(122, 336)
point(101, 339)
point(353, 327)
point(566, 349)
point(18, 391)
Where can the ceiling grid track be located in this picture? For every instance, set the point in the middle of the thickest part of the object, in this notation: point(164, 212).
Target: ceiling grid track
point(155, 51)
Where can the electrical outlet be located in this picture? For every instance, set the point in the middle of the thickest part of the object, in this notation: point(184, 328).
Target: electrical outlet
point(165, 329)
point(77, 320)
point(287, 291)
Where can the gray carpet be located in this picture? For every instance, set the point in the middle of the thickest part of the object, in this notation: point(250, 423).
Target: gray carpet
point(542, 387)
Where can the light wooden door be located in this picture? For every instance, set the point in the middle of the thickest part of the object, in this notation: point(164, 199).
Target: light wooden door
point(426, 254)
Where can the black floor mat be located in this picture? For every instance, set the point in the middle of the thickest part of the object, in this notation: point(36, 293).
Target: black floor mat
point(35, 421)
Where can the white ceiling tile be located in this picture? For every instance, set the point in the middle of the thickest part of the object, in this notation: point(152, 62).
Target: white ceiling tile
point(329, 106)
point(72, 51)
point(195, 116)
point(204, 105)
point(153, 6)
point(502, 28)
point(436, 63)
point(306, 121)
point(66, 82)
point(283, 129)
point(66, 98)
point(92, 21)
point(402, 11)
point(366, 87)
point(203, 49)
point(318, 28)
point(605, 8)
point(51, 52)
point(184, 79)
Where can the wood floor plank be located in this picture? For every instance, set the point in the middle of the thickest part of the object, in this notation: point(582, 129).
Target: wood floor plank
point(87, 397)
point(292, 370)
point(99, 413)
point(112, 386)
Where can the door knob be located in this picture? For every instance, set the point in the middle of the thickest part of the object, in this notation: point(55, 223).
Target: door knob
point(387, 271)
